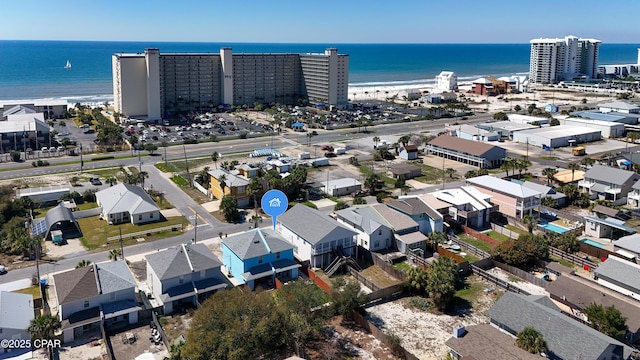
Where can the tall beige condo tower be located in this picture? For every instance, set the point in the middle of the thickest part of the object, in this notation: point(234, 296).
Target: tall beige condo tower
point(553, 60)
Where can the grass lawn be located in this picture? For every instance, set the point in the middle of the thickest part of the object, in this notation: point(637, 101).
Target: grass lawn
point(379, 276)
point(402, 266)
point(105, 173)
point(133, 170)
point(471, 258)
point(515, 229)
point(179, 180)
point(562, 262)
point(498, 236)
point(179, 165)
point(472, 290)
point(431, 175)
point(366, 171)
point(87, 206)
point(34, 291)
point(95, 232)
point(550, 158)
point(475, 242)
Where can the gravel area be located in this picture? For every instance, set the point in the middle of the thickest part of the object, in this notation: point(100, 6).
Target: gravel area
point(515, 281)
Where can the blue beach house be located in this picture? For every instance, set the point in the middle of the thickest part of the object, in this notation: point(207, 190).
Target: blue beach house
point(257, 257)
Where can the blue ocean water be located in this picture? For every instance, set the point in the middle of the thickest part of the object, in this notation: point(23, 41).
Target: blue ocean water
point(35, 69)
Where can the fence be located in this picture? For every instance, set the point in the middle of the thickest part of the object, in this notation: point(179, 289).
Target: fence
point(201, 188)
point(380, 335)
point(504, 231)
point(497, 281)
point(319, 282)
point(576, 260)
point(591, 250)
point(521, 274)
point(107, 341)
point(388, 268)
point(363, 280)
point(165, 340)
point(134, 235)
point(482, 237)
point(469, 248)
point(563, 214)
point(81, 214)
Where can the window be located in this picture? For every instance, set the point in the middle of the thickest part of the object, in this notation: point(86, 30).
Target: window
point(86, 304)
point(380, 232)
point(150, 215)
point(278, 255)
point(139, 217)
point(259, 259)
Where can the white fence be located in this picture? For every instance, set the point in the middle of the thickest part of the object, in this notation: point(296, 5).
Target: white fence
point(201, 188)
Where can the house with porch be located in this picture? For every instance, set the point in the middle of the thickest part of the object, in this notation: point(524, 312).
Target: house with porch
point(406, 231)
point(224, 182)
point(514, 200)
point(429, 219)
point(608, 183)
point(184, 274)
point(317, 239)
point(257, 257)
point(466, 206)
point(620, 275)
point(124, 203)
point(16, 313)
point(633, 197)
point(95, 294)
point(565, 337)
point(373, 231)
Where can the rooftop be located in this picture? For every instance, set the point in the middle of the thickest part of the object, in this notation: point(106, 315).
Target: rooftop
point(552, 132)
point(620, 105)
point(312, 225)
point(396, 219)
point(484, 341)
point(476, 148)
point(622, 272)
point(126, 198)
point(16, 310)
point(629, 242)
point(231, 179)
point(182, 260)
point(506, 187)
point(340, 183)
point(256, 242)
point(610, 175)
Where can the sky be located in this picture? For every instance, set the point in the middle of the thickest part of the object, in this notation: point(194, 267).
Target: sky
point(325, 21)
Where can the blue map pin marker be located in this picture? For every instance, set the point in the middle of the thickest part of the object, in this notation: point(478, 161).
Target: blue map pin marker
point(274, 203)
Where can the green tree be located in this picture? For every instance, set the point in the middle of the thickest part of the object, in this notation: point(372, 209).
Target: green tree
point(229, 208)
point(83, 263)
point(531, 340)
point(175, 352)
point(587, 161)
point(548, 201)
point(416, 280)
point(340, 205)
point(517, 108)
point(44, 327)
point(522, 165)
point(404, 139)
point(451, 172)
point(554, 122)
point(151, 148)
point(346, 295)
point(530, 222)
point(15, 156)
point(436, 238)
point(114, 254)
point(573, 167)
point(359, 201)
point(500, 116)
point(550, 174)
point(566, 242)
point(214, 157)
point(523, 251)
point(372, 182)
point(441, 278)
point(608, 320)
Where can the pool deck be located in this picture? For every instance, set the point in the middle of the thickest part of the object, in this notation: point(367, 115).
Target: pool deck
point(607, 244)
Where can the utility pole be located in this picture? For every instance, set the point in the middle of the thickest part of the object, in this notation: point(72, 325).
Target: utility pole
point(186, 164)
point(443, 170)
point(195, 229)
point(81, 159)
point(121, 246)
point(139, 162)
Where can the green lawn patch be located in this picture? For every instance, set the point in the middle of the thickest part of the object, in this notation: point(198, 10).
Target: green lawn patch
point(562, 261)
point(95, 231)
point(87, 206)
point(179, 180)
point(34, 291)
point(498, 236)
point(133, 170)
point(105, 157)
point(472, 289)
point(366, 171)
point(475, 242)
point(162, 167)
point(105, 173)
point(431, 175)
point(402, 266)
point(471, 258)
point(379, 276)
point(515, 229)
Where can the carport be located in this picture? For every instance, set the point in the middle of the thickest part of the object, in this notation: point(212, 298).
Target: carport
point(59, 218)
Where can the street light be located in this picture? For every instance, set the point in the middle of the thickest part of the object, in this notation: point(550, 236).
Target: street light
point(195, 227)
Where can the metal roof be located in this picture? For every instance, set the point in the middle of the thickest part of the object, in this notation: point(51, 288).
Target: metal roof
point(125, 198)
point(491, 183)
point(313, 226)
point(464, 146)
point(16, 310)
point(610, 175)
point(622, 272)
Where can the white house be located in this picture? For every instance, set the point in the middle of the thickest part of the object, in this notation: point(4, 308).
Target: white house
point(127, 203)
point(620, 275)
point(315, 236)
point(16, 313)
point(446, 81)
point(93, 294)
point(373, 232)
point(341, 187)
point(183, 274)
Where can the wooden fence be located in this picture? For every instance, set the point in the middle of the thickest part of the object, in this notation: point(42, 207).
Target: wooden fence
point(134, 235)
point(497, 281)
point(591, 250)
point(480, 236)
point(380, 335)
point(165, 340)
point(319, 282)
point(574, 259)
point(469, 248)
point(107, 341)
point(522, 274)
point(564, 214)
point(363, 280)
point(388, 268)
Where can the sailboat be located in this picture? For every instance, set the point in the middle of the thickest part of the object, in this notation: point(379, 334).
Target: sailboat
point(68, 65)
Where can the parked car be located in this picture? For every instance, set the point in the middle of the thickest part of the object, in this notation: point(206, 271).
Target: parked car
point(95, 181)
point(3, 270)
point(330, 154)
point(359, 193)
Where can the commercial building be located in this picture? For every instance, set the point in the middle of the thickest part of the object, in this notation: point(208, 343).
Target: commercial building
point(467, 151)
point(470, 132)
point(446, 81)
point(155, 85)
point(505, 128)
point(23, 128)
point(557, 136)
point(526, 119)
point(607, 129)
point(50, 108)
point(619, 107)
point(553, 60)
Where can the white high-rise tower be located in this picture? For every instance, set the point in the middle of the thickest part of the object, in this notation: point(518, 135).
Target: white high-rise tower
point(553, 60)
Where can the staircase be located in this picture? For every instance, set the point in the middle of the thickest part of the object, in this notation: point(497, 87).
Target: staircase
point(341, 260)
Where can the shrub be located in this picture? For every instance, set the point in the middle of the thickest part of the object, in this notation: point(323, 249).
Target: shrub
point(15, 156)
point(190, 141)
point(359, 201)
point(105, 157)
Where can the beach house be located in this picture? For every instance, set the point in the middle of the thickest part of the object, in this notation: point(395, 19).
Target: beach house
point(429, 219)
point(373, 232)
point(127, 203)
point(467, 206)
point(224, 182)
point(514, 200)
point(608, 183)
point(620, 275)
point(16, 313)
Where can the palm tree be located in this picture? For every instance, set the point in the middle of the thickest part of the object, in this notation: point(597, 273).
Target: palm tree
point(587, 161)
point(113, 254)
point(222, 181)
point(513, 162)
point(376, 140)
point(404, 139)
point(573, 167)
point(61, 124)
point(44, 327)
point(505, 165)
point(437, 237)
point(530, 222)
point(451, 172)
point(531, 340)
point(141, 176)
point(522, 165)
point(214, 157)
point(83, 263)
point(607, 156)
point(372, 182)
point(549, 173)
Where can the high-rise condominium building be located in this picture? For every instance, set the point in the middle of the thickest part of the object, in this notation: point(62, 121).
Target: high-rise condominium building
point(155, 85)
point(554, 60)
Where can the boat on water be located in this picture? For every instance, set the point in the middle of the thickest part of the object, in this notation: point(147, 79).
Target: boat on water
point(68, 65)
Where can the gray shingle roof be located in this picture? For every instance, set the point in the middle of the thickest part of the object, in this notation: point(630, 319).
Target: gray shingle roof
point(364, 217)
point(115, 276)
point(256, 242)
point(182, 260)
point(630, 242)
point(126, 198)
point(76, 284)
point(313, 226)
point(414, 206)
point(565, 337)
point(610, 175)
point(484, 341)
point(398, 220)
point(621, 272)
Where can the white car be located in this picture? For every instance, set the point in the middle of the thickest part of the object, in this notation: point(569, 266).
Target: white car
point(179, 133)
point(173, 140)
point(188, 128)
point(61, 148)
point(44, 149)
point(140, 126)
point(3, 270)
point(153, 128)
point(145, 132)
point(208, 126)
point(163, 134)
point(178, 128)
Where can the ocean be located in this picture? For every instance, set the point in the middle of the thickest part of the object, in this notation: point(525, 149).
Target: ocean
point(35, 69)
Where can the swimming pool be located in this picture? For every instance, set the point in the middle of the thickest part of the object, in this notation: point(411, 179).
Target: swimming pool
point(592, 243)
point(553, 227)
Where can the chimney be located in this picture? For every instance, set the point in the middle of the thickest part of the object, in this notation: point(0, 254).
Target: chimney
point(459, 331)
